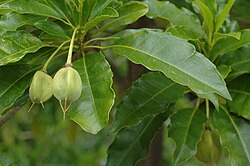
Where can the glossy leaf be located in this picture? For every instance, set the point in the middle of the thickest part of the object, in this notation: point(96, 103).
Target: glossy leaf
point(30, 7)
point(91, 111)
point(12, 21)
point(13, 86)
point(136, 10)
point(234, 134)
point(229, 44)
point(14, 45)
point(186, 130)
point(98, 7)
point(51, 28)
point(223, 15)
point(176, 16)
point(132, 143)
point(149, 95)
point(175, 57)
point(240, 91)
point(106, 13)
point(59, 6)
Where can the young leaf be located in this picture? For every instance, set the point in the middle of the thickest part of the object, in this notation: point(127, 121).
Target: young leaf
point(207, 15)
point(132, 143)
point(186, 130)
point(136, 10)
point(51, 28)
point(223, 15)
point(230, 43)
point(175, 57)
point(14, 45)
point(98, 7)
point(178, 17)
point(91, 111)
point(240, 91)
point(12, 21)
point(106, 13)
point(234, 134)
point(149, 95)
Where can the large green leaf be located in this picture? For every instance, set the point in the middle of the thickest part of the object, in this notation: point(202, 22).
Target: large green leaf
point(240, 91)
point(136, 10)
point(175, 57)
point(12, 21)
point(59, 6)
point(91, 111)
point(98, 7)
point(14, 79)
point(176, 16)
point(51, 28)
point(132, 143)
point(106, 13)
point(230, 43)
point(234, 134)
point(186, 128)
point(149, 95)
point(14, 45)
point(30, 7)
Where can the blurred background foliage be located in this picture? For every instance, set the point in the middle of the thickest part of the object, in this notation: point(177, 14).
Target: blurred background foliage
point(42, 138)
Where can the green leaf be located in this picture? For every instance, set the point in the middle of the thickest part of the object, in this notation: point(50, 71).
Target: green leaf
point(186, 130)
point(132, 143)
point(175, 57)
point(30, 7)
point(51, 28)
point(98, 7)
point(223, 15)
point(136, 10)
point(106, 13)
point(14, 45)
point(224, 70)
point(91, 111)
point(14, 79)
point(208, 18)
point(12, 21)
point(229, 44)
point(59, 6)
point(234, 134)
point(176, 16)
point(149, 95)
point(240, 91)
point(183, 33)
point(219, 36)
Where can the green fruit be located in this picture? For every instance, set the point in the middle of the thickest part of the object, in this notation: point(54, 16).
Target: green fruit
point(67, 85)
point(41, 87)
point(209, 148)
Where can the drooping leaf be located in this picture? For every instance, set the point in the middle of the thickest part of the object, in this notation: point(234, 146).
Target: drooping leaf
point(175, 57)
point(234, 134)
point(208, 18)
point(14, 45)
point(176, 16)
point(51, 28)
point(136, 10)
point(223, 15)
point(149, 95)
point(30, 7)
point(12, 21)
point(240, 91)
point(106, 13)
point(132, 143)
point(229, 44)
point(186, 129)
point(98, 7)
point(91, 111)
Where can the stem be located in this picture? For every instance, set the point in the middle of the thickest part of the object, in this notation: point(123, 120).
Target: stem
point(53, 55)
point(207, 109)
point(98, 47)
point(101, 38)
point(197, 104)
point(69, 59)
point(9, 115)
point(80, 12)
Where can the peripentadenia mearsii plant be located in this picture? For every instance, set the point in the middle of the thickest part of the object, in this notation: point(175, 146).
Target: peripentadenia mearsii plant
point(66, 85)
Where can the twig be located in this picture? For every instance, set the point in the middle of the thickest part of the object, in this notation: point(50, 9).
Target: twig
point(9, 115)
